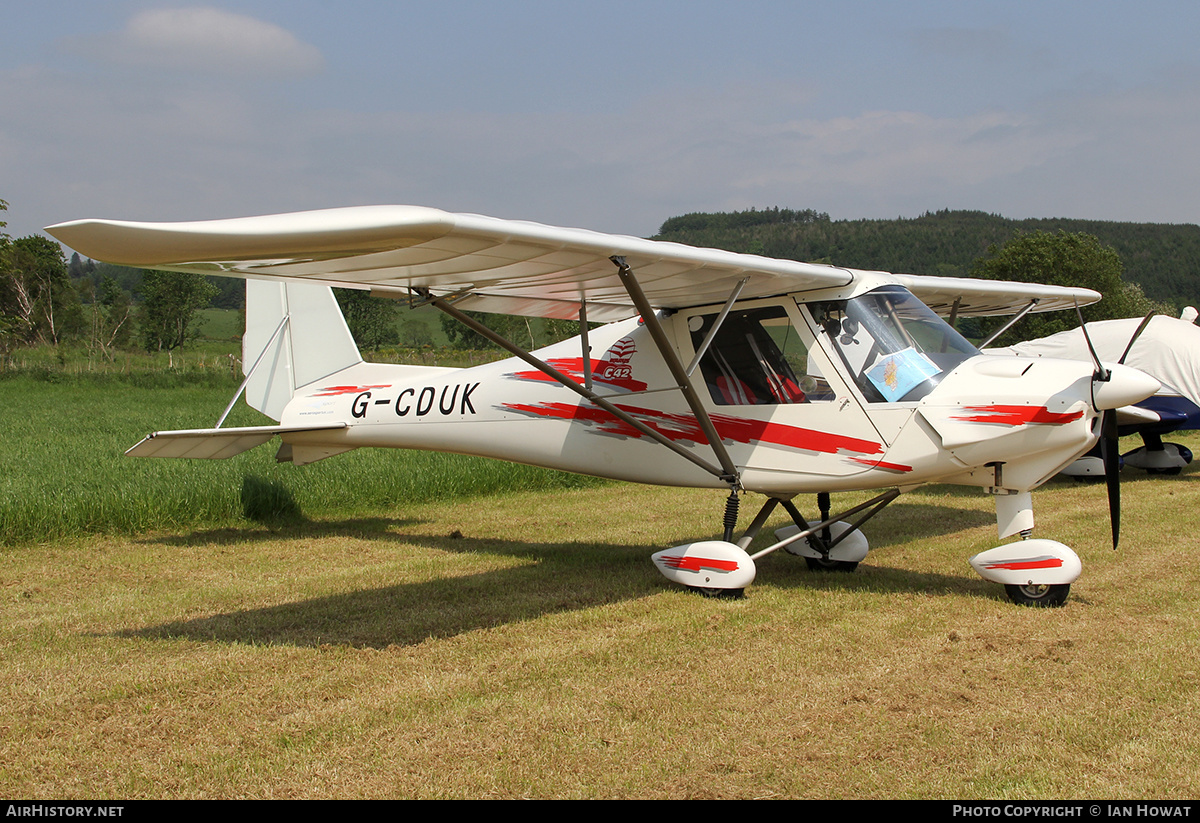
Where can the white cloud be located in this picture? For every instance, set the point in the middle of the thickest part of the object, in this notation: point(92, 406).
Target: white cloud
point(205, 40)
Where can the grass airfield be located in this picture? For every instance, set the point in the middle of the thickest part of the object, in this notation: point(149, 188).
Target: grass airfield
point(471, 642)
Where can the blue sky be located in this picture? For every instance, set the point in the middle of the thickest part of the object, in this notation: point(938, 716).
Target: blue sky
point(606, 115)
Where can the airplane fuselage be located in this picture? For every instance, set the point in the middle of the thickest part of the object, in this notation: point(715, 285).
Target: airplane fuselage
point(824, 429)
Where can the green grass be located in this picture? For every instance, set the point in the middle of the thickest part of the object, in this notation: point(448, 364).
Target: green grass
point(63, 470)
point(221, 324)
point(523, 646)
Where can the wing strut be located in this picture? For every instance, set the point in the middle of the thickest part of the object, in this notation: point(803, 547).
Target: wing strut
point(585, 345)
point(1012, 321)
point(712, 333)
point(682, 379)
point(442, 304)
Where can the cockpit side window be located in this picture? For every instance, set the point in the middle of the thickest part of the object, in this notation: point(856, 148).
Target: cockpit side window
point(756, 358)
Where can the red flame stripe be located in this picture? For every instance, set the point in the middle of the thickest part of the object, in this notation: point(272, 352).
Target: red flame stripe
point(684, 427)
point(1045, 562)
point(330, 391)
point(695, 564)
point(1017, 415)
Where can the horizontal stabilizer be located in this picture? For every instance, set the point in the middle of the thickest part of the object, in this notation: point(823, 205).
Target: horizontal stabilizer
point(214, 444)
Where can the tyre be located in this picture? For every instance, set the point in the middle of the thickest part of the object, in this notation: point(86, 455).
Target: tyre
point(1038, 596)
point(820, 564)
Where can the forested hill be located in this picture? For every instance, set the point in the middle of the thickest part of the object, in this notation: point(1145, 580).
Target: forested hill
point(1164, 259)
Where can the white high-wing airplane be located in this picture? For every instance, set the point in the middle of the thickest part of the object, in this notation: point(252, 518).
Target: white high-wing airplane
point(716, 370)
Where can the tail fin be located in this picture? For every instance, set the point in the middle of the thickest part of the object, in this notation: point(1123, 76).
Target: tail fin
point(295, 334)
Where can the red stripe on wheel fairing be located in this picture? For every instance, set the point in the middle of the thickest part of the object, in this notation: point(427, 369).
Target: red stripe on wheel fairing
point(695, 564)
point(1043, 562)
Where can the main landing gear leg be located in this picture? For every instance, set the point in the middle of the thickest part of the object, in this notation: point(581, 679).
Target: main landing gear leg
point(731, 515)
point(716, 568)
point(832, 544)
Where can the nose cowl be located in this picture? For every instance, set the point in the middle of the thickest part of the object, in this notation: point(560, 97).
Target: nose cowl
point(1124, 387)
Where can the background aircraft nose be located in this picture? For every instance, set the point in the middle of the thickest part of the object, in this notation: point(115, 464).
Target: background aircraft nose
point(1124, 387)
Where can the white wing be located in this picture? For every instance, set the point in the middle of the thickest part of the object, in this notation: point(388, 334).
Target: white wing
point(988, 297)
point(504, 266)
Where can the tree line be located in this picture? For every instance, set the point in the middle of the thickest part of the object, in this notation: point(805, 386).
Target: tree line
point(44, 300)
point(1163, 259)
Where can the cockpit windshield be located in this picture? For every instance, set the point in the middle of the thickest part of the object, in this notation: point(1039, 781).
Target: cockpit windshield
point(894, 345)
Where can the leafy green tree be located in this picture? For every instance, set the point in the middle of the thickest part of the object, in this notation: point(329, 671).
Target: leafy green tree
point(1064, 259)
point(372, 320)
point(511, 327)
point(530, 333)
point(231, 292)
point(170, 301)
point(9, 326)
point(110, 315)
point(127, 278)
point(1162, 258)
point(416, 333)
point(556, 330)
point(76, 268)
point(36, 296)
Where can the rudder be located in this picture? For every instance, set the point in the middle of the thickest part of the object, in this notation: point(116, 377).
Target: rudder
point(313, 343)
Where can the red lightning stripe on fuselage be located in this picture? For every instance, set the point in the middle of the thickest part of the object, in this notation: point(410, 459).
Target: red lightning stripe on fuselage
point(330, 391)
point(879, 464)
point(679, 427)
point(1017, 415)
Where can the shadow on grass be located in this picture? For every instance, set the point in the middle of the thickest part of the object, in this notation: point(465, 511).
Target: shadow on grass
point(790, 572)
point(366, 528)
point(269, 501)
point(557, 577)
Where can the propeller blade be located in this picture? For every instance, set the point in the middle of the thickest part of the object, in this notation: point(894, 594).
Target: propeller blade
point(1110, 454)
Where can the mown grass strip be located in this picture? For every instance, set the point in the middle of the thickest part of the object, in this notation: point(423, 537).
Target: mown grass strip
point(524, 646)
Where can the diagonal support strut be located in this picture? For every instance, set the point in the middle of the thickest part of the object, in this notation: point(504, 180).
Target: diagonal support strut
point(650, 318)
point(444, 305)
